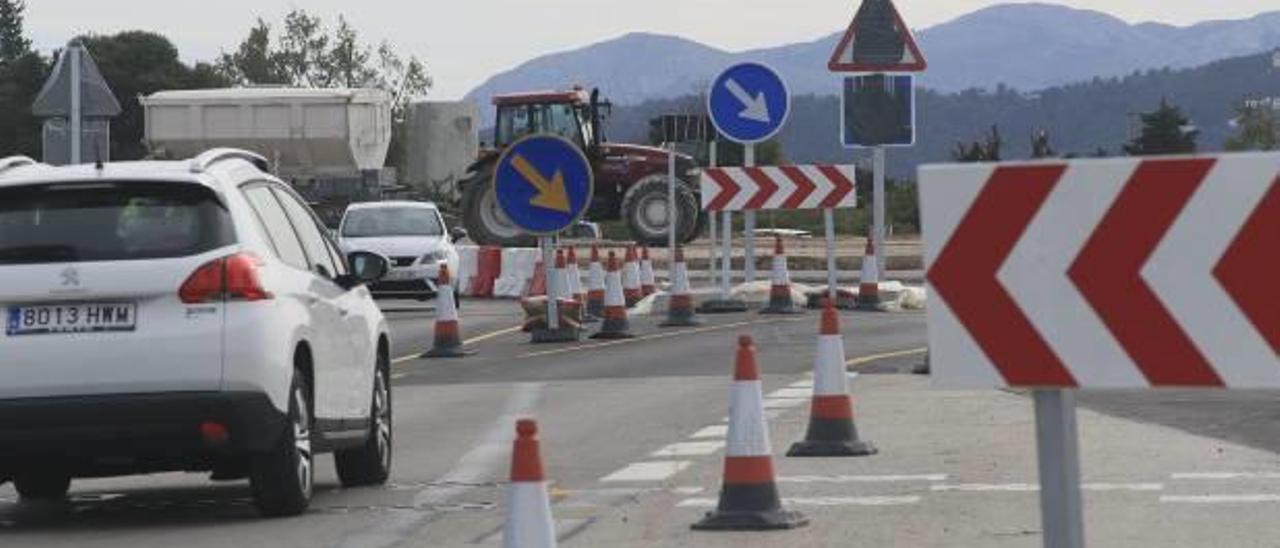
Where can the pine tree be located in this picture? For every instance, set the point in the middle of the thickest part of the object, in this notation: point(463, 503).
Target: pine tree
point(1164, 131)
point(13, 42)
point(1259, 126)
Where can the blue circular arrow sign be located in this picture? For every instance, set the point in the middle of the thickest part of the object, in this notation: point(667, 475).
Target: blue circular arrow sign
point(749, 102)
point(543, 183)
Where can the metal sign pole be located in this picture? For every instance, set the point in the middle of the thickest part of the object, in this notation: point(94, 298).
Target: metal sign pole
point(828, 219)
point(76, 107)
point(749, 224)
point(673, 212)
point(548, 267)
point(878, 232)
point(1057, 446)
point(713, 263)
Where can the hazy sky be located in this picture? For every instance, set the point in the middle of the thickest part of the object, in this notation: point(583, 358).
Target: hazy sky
point(465, 41)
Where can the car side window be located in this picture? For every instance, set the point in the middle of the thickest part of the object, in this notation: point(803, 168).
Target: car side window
point(309, 232)
point(277, 227)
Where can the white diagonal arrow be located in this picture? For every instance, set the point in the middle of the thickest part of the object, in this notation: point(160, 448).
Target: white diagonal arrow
point(756, 108)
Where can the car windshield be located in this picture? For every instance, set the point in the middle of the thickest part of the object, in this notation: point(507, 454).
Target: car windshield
point(391, 221)
point(80, 222)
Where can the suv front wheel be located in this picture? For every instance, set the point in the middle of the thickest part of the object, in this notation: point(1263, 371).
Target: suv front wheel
point(42, 484)
point(282, 478)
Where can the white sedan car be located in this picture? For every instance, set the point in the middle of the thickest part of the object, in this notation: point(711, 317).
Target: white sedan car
point(412, 235)
point(184, 316)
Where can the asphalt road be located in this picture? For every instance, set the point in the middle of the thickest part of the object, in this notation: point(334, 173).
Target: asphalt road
point(604, 407)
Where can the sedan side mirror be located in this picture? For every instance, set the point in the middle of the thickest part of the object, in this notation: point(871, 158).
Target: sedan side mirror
point(368, 267)
point(457, 233)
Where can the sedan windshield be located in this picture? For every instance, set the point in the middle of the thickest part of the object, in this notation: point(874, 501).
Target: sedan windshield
point(391, 221)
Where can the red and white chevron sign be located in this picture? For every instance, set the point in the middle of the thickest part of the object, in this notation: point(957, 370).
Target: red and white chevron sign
point(783, 187)
point(1121, 273)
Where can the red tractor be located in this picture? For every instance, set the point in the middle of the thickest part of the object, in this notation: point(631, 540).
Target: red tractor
point(630, 180)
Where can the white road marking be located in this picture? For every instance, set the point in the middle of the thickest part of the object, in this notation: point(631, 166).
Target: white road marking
point(1031, 487)
point(714, 431)
point(790, 392)
point(1218, 499)
point(862, 479)
point(689, 449)
point(784, 403)
point(1224, 475)
point(687, 491)
point(815, 501)
point(648, 471)
point(807, 383)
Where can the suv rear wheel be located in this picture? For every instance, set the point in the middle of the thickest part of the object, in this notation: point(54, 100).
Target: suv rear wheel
point(282, 478)
point(42, 484)
point(370, 464)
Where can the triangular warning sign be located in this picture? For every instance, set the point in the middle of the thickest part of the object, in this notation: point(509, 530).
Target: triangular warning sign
point(877, 41)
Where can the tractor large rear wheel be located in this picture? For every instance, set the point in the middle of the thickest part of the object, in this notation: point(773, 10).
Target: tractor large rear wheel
point(645, 209)
point(486, 223)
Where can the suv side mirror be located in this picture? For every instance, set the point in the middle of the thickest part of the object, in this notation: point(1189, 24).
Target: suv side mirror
point(457, 233)
point(368, 267)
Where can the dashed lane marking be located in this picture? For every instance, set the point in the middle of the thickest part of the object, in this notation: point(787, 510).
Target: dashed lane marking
point(649, 471)
point(473, 340)
point(815, 501)
point(864, 479)
point(790, 392)
point(689, 449)
point(855, 362)
point(655, 336)
point(1224, 475)
point(714, 431)
point(784, 403)
point(1218, 499)
point(1031, 487)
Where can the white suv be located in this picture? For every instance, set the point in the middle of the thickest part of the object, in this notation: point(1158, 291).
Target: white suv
point(184, 316)
point(412, 235)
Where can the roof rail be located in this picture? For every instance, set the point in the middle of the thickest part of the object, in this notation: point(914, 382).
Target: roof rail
point(208, 158)
point(15, 161)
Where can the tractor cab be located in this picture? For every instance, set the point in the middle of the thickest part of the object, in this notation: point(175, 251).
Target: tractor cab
point(574, 115)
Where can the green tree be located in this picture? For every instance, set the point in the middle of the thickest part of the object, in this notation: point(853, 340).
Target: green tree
point(986, 150)
point(13, 39)
point(1164, 131)
point(137, 63)
point(307, 54)
point(1259, 128)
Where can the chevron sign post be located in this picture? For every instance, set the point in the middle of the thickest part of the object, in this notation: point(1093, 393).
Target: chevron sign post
point(1124, 273)
point(785, 187)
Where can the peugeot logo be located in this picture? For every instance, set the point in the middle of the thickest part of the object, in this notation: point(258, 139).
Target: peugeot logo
point(70, 277)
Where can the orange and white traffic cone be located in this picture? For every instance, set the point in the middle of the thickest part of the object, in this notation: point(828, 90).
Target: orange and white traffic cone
point(780, 301)
point(537, 284)
point(595, 285)
point(528, 523)
point(574, 275)
point(568, 311)
point(447, 340)
point(648, 282)
point(749, 497)
point(631, 290)
point(869, 283)
point(832, 432)
point(615, 324)
point(680, 311)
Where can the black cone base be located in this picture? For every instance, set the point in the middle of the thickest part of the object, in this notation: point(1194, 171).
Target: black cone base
point(855, 448)
point(448, 352)
point(723, 306)
point(563, 334)
point(681, 318)
point(782, 310)
point(751, 521)
point(612, 335)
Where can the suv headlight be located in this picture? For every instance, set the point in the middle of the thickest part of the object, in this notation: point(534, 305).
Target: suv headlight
point(433, 256)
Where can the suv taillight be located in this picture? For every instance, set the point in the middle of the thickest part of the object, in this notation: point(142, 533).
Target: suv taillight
point(231, 278)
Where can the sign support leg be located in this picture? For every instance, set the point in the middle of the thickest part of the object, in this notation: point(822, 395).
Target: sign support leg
point(828, 219)
point(878, 231)
point(714, 256)
point(749, 225)
point(1057, 446)
point(548, 266)
point(726, 252)
point(673, 212)
point(76, 108)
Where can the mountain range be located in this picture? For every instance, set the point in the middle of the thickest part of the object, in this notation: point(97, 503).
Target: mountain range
point(1025, 46)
